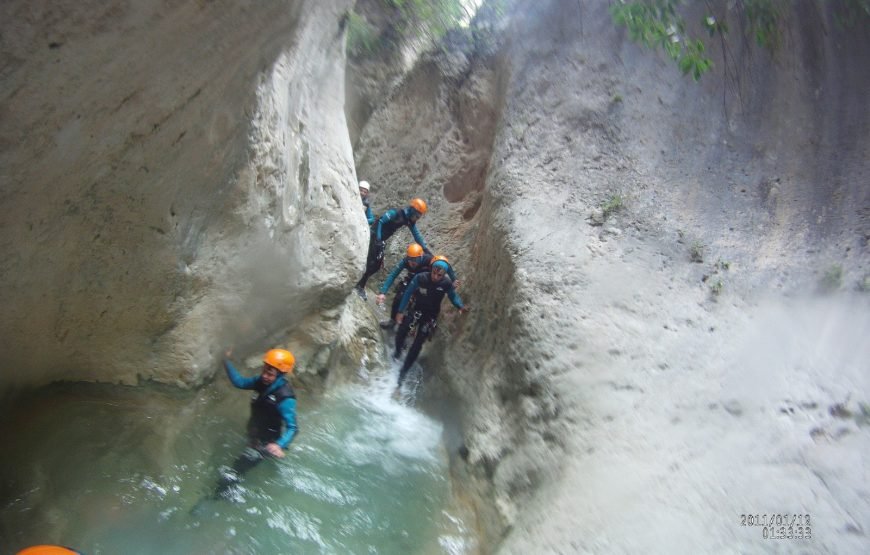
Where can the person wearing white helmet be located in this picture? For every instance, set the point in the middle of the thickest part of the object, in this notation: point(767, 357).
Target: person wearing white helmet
point(364, 189)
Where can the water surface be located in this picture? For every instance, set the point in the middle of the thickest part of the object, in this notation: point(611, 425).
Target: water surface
point(112, 470)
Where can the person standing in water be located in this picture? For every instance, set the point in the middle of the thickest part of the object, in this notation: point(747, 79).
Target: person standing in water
point(272, 424)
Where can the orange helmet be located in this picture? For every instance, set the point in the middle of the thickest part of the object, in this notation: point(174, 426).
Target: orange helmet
point(414, 250)
point(280, 359)
point(47, 550)
point(419, 205)
point(440, 257)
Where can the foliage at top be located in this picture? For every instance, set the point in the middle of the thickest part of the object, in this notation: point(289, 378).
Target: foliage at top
point(429, 18)
point(656, 24)
point(423, 21)
point(362, 37)
point(660, 24)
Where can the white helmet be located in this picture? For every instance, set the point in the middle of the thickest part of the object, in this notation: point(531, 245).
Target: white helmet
point(364, 185)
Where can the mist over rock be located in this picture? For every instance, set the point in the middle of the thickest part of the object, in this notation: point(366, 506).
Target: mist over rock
point(668, 279)
point(176, 180)
point(644, 255)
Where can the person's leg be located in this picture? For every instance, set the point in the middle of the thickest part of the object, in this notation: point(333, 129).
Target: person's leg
point(413, 353)
point(374, 261)
point(249, 458)
point(367, 272)
point(402, 334)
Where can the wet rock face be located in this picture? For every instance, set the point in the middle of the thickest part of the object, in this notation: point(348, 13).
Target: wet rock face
point(176, 179)
point(625, 246)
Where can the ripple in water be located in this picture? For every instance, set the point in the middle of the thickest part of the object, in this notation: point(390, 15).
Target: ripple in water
point(117, 470)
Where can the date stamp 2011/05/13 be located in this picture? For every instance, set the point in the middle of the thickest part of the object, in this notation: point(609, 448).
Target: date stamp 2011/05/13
point(780, 526)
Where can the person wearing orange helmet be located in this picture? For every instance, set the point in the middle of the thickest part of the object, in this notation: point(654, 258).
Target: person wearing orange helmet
point(273, 407)
point(383, 228)
point(427, 290)
point(415, 262)
point(451, 273)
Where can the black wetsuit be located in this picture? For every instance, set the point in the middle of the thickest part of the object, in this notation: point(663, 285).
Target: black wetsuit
point(273, 406)
point(367, 208)
point(427, 296)
point(422, 265)
point(383, 229)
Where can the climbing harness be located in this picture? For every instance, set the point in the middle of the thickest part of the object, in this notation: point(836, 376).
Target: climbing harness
point(412, 328)
point(419, 325)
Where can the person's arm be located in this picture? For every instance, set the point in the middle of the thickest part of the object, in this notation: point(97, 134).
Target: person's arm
point(237, 379)
point(406, 298)
point(287, 408)
point(370, 216)
point(393, 275)
point(450, 273)
point(454, 298)
point(418, 237)
point(388, 216)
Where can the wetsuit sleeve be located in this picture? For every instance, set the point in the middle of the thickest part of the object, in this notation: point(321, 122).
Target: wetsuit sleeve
point(450, 273)
point(287, 408)
point(454, 297)
point(388, 217)
point(238, 380)
point(418, 237)
point(393, 275)
point(370, 216)
point(406, 298)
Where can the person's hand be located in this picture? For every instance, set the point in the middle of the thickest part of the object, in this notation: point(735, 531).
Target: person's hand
point(399, 318)
point(457, 284)
point(228, 353)
point(275, 450)
point(464, 309)
point(381, 298)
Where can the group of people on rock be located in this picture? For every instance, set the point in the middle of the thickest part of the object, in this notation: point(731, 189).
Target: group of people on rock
point(426, 280)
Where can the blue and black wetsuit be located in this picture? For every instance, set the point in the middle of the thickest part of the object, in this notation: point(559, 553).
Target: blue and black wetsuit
point(370, 216)
point(383, 229)
point(273, 406)
point(427, 295)
point(413, 266)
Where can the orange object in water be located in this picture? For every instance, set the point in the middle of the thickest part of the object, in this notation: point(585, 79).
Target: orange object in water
point(48, 550)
